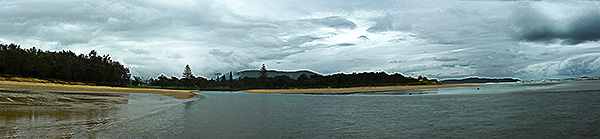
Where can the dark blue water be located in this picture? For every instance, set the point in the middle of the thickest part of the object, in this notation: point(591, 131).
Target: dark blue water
point(503, 115)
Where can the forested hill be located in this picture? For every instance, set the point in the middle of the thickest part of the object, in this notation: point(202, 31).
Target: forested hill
point(478, 80)
point(62, 65)
point(274, 73)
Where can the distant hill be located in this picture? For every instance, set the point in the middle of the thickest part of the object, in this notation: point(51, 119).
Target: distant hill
point(274, 73)
point(478, 80)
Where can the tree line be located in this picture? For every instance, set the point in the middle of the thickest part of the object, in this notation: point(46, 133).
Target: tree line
point(62, 65)
point(285, 82)
point(102, 70)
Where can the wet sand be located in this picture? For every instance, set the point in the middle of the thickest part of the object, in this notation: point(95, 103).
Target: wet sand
point(16, 98)
point(46, 110)
point(564, 86)
point(52, 87)
point(540, 84)
point(354, 89)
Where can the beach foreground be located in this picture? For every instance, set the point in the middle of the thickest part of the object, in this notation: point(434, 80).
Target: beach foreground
point(353, 89)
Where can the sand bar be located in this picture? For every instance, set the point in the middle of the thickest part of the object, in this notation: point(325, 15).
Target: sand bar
point(52, 87)
point(354, 89)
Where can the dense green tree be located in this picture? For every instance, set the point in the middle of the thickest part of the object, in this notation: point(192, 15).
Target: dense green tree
point(137, 80)
point(62, 65)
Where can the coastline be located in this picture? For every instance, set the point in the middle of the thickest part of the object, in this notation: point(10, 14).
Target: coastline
point(53, 87)
point(353, 89)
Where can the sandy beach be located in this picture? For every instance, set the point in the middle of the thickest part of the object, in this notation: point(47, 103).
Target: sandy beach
point(50, 110)
point(52, 87)
point(353, 89)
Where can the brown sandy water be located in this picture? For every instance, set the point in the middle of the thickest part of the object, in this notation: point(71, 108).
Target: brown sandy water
point(40, 114)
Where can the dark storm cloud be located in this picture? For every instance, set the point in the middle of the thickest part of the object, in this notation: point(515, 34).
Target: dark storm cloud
point(585, 27)
point(532, 25)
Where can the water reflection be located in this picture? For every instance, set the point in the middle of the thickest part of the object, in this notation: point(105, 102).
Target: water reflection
point(68, 114)
point(48, 121)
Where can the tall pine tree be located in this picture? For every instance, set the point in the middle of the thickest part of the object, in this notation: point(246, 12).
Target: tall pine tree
point(187, 72)
point(263, 71)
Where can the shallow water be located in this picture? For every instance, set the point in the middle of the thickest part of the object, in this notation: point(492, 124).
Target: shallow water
point(88, 118)
point(429, 116)
point(563, 110)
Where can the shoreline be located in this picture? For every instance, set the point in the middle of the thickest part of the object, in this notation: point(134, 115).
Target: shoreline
point(54, 87)
point(353, 89)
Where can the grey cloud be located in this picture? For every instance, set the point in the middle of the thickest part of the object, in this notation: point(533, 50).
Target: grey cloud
point(217, 52)
point(334, 22)
point(363, 37)
point(304, 25)
point(70, 23)
point(584, 65)
point(455, 65)
point(390, 23)
point(445, 59)
point(278, 54)
point(141, 60)
point(139, 51)
point(531, 25)
point(175, 56)
point(439, 59)
point(396, 61)
point(231, 59)
point(585, 27)
point(300, 40)
point(572, 66)
point(345, 44)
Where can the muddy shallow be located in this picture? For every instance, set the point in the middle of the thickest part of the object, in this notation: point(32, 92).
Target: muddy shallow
point(73, 114)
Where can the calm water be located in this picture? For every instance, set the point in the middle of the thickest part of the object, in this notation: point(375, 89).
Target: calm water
point(481, 115)
point(454, 113)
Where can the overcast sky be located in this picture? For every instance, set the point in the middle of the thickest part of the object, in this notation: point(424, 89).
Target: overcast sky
point(439, 39)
